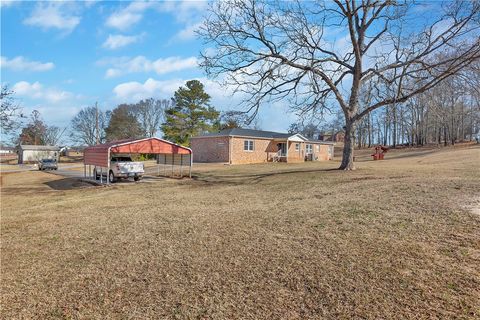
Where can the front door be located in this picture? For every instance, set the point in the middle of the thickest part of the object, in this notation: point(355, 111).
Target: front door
point(282, 149)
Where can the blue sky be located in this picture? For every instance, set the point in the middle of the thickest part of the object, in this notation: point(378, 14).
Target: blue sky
point(62, 56)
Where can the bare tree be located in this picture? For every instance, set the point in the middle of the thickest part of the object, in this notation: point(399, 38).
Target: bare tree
point(84, 128)
point(271, 50)
point(151, 114)
point(10, 111)
point(53, 135)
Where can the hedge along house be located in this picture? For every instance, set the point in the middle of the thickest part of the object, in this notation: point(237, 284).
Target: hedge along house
point(168, 154)
point(238, 146)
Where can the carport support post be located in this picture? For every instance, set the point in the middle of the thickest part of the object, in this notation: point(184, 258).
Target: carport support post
point(101, 174)
point(191, 163)
point(84, 170)
point(108, 166)
point(181, 165)
point(173, 161)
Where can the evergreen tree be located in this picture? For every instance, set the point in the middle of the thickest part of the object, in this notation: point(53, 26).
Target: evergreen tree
point(123, 124)
point(191, 115)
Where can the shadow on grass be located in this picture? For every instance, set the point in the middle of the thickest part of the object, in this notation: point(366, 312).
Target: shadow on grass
point(412, 154)
point(240, 179)
point(68, 184)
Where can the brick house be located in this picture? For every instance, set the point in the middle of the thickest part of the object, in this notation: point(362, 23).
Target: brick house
point(237, 146)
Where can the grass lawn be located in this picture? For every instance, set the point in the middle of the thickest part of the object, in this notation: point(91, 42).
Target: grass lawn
point(394, 239)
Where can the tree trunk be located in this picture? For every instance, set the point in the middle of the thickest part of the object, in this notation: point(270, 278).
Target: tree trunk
point(349, 145)
point(394, 132)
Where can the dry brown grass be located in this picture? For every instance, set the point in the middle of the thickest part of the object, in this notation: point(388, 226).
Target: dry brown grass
point(393, 239)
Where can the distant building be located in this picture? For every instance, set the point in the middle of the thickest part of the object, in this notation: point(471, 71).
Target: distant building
point(31, 153)
point(336, 137)
point(6, 149)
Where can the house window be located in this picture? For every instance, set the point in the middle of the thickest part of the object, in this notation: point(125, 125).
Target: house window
point(297, 146)
point(308, 148)
point(248, 145)
point(318, 147)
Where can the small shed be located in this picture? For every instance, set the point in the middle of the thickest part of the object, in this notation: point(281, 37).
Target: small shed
point(168, 153)
point(34, 153)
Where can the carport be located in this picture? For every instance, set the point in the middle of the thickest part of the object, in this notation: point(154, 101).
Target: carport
point(168, 154)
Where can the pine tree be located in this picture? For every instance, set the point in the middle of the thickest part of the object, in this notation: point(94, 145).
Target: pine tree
point(191, 115)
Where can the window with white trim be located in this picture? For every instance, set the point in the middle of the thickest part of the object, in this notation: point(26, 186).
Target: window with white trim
point(297, 146)
point(308, 148)
point(248, 145)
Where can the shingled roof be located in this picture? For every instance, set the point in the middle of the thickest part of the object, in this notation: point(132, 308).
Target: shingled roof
point(239, 132)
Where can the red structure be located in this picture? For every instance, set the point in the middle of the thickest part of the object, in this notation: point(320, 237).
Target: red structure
point(101, 154)
point(379, 152)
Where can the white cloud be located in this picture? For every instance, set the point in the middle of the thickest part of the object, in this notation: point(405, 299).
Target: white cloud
point(121, 66)
point(184, 11)
point(7, 3)
point(118, 41)
point(54, 15)
point(128, 16)
point(38, 91)
point(22, 64)
point(134, 91)
point(90, 3)
point(187, 33)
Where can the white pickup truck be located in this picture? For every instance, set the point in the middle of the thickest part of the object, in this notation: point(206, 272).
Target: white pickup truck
point(121, 167)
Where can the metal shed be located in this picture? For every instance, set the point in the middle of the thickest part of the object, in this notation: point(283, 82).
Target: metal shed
point(34, 153)
point(168, 153)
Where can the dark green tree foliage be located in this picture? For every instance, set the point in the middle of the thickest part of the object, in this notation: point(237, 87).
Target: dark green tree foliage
point(123, 124)
point(191, 114)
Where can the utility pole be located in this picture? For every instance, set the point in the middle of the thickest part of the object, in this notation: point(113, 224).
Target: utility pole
point(96, 123)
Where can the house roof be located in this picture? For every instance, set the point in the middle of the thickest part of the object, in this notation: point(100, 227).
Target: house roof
point(38, 147)
point(239, 132)
point(247, 133)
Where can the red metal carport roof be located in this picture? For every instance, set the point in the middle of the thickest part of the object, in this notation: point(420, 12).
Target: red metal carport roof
point(99, 155)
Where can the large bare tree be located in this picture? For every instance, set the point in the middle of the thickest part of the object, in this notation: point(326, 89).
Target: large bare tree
point(319, 54)
point(151, 114)
point(84, 127)
point(10, 112)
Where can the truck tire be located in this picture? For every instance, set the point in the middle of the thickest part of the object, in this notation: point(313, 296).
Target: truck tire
point(111, 177)
point(137, 178)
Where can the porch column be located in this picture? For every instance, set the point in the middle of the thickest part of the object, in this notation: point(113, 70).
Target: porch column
point(286, 153)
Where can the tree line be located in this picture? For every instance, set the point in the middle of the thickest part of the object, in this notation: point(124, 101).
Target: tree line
point(444, 115)
point(188, 113)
